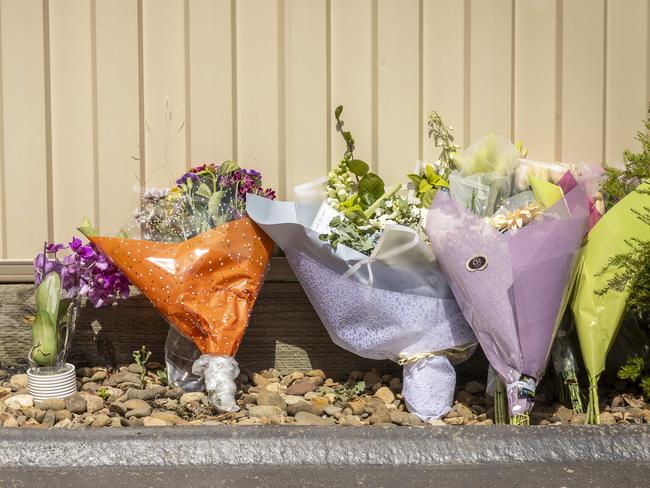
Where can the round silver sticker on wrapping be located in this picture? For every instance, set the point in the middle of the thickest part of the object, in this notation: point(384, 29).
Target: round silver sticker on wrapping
point(476, 263)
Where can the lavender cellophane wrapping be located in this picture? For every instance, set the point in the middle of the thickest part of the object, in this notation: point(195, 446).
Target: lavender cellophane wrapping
point(515, 303)
point(375, 321)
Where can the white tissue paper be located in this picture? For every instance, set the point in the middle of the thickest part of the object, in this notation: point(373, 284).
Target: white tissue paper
point(395, 304)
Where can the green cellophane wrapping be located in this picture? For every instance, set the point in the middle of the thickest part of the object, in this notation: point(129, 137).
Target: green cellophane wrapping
point(598, 317)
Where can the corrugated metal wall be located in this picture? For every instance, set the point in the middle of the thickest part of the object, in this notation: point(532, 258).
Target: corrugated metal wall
point(100, 96)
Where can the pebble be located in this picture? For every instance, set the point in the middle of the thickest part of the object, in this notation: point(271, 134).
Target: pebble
point(99, 376)
point(49, 418)
point(18, 382)
point(357, 406)
point(122, 377)
point(168, 418)
point(195, 396)
point(304, 406)
point(271, 399)
point(76, 403)
point(332, 410)
point(299, 388)
point(385, 395)
point(306, 418)
point(118, 408)
point(93, 403)
point(101, 420)
point(154, 422)
point(138, 412)
point(18, 401)
point(264, 411)
point(55, 404)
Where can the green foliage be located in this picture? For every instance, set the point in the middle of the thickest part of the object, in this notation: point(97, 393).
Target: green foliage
point(141, 357)
point(633, 266)
point(362, 199)
point(442, 138)
point(162, 377)
point(632, 369)
point(344, 394)
point(103, 393)
point(636, 370)
point(621, 182)
point(45, 345)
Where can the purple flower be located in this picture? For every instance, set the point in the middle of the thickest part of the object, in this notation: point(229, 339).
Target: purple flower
point(85, 272)
point(187, 176)
point(54, 248)
point(75, 244)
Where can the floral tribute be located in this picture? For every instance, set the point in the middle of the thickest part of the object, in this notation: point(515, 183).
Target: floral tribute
point(201, 261)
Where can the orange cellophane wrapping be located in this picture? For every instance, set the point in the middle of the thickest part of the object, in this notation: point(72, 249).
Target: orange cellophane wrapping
point(206, 286)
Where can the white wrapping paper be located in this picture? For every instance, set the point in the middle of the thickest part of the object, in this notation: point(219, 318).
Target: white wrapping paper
point(395, 304)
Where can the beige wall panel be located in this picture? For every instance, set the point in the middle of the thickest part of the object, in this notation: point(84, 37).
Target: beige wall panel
point(210, 74)
point(164, 91)
point(535, 77)
point(307, 85)
point(491, 68)
point(443, 67)
point(352, 75)
point(582, 85)
point(118, 130)
point(24, 118)
point(72, 115)
point(627, 58)
point(398, 84)
point(259, 129)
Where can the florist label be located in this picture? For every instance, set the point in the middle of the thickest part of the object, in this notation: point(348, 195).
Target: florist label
point(476, 263)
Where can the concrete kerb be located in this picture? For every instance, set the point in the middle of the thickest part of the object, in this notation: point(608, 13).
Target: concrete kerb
point(322, 446)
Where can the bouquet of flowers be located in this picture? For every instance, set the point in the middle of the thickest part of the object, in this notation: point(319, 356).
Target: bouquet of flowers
point(66, 276)
point(610, 269)
point(508, 257)
point(357, 249)
point(201, 262)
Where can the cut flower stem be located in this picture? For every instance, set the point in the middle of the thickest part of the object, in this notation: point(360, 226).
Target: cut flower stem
point(593, 409)
point(500, 403)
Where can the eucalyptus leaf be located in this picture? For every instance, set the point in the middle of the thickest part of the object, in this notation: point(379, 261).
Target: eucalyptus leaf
point(204, 191)
point(214, 203)
point(227, 167)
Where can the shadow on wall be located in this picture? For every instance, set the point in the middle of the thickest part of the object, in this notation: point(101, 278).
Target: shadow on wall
point(284, 333)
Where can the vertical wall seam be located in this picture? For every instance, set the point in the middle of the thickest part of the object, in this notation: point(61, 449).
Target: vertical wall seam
point(3, 180)
point(605, 22)
point(48, 120)
point(420, 80)
point(513, 66)
point(328, 81)
point(467, 73)
point(233, 78)
point(188, 87)
point(282, 108)
point(374, 110)
point(559, 76)
point(647, 33)
point(95, 115)
point(141, 104)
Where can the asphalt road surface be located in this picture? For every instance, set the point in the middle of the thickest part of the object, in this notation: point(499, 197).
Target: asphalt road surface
point(593, 475)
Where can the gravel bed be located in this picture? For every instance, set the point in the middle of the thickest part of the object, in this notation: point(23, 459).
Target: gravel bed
point(133, 395)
